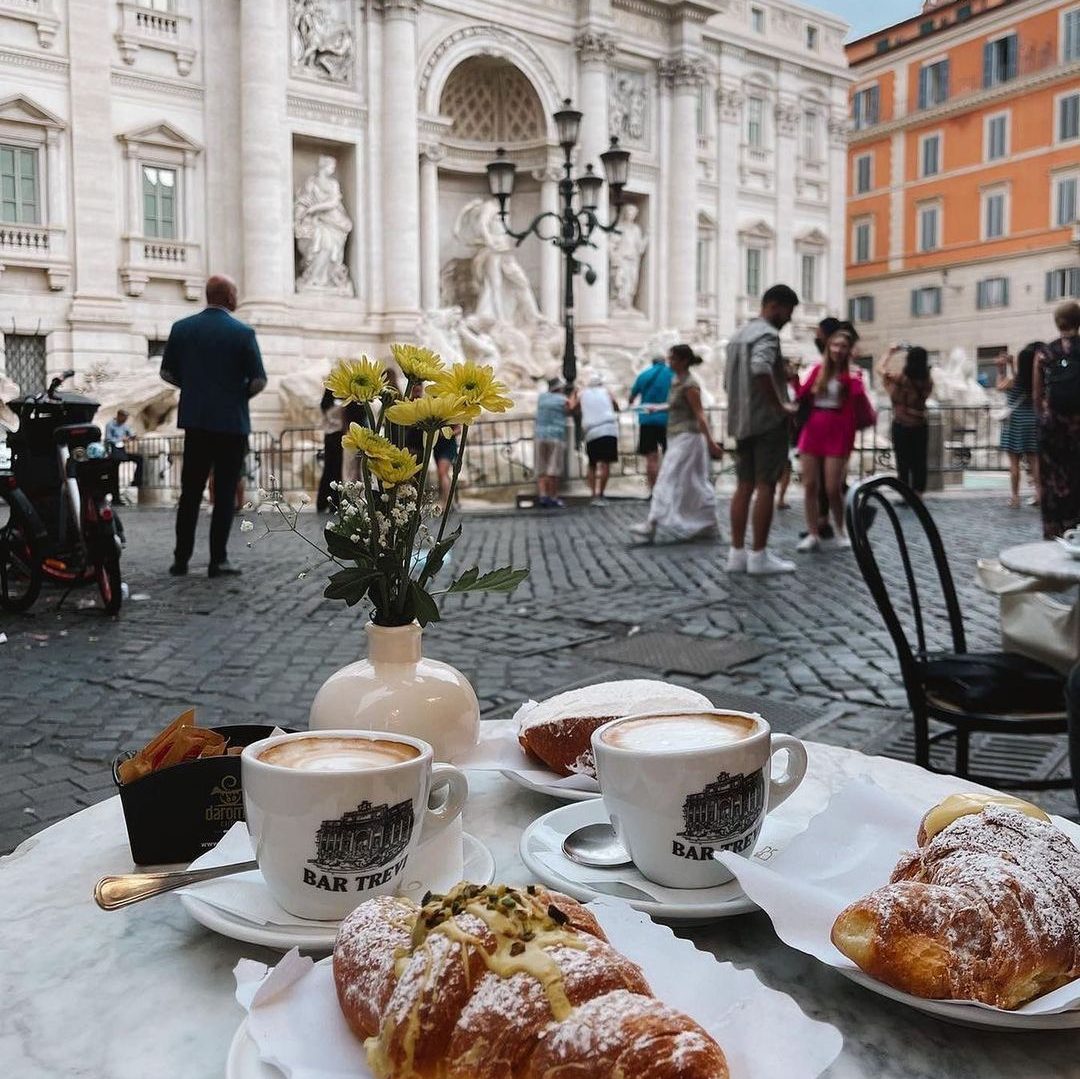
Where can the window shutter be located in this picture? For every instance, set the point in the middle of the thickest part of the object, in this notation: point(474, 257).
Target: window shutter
point(873, 110)
point(915, 302)
point(980, 295)
point(1004, 292)
point(1074, 282)
point(988, 65)
point(945, 80)
point(1049, 285)
point(924, 87)
point(1012, 50)
point(869, 317)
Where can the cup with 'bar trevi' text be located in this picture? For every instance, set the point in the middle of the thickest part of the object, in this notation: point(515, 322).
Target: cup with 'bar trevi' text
point(680, 787)
point(335, 815)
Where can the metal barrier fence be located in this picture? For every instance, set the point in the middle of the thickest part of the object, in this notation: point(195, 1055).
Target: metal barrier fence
point(501, 452)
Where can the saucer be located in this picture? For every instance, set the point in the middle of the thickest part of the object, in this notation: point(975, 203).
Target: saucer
point(564, 794)
point(541, 851)
point(479, 867)
point(1072, 549)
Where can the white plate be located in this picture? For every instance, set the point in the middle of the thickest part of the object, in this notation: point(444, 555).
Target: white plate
point(966, 1015)
point(1068, 547)
point(243, 1061)
point(546, 834)
point(564, 794)
point(479, 867)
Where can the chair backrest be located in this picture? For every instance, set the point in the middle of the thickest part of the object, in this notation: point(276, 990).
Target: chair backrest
point(862, 500)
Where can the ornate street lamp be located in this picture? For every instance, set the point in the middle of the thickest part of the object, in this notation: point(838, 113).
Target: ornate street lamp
point(576, 220)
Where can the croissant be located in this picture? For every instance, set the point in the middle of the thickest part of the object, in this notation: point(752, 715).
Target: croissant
point(505, 983)
point(987, 909)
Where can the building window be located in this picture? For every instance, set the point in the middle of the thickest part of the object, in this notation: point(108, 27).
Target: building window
point(811, 142)
point(159, 202)
point(808, 292)
point(993, 215)
point(997, 136)
point(755, 272)
point(812, 38)
point(992, 292)
point(1069, 117)
point(25, 360)
point(1063, 284)
point(999, 60)
point(864, 173)
point(862, 242)
point(757, 21)
point(20, 201)
point(865, 106)
point(1065, 200)
point(930, 155)
point(1070, 35)
point(755, 122)
point(926, 301)
point(934, 84)
point(860, 309)
point(929, 228)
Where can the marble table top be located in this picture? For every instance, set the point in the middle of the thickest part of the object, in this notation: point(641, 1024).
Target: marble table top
point(1044, 559)
point(146, 991)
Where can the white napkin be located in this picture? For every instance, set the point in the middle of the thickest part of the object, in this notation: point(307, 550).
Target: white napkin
point(437, 864)
point(849, 849)
point(300, 1028)
point(500, 751)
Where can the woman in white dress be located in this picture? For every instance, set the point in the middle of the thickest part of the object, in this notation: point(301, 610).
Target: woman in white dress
point(683, 503)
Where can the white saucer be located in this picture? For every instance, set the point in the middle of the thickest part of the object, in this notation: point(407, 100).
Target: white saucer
point(966, 1015)
point(564, 794)
point(244, 1062)
point(1069, 548)
point(479, 867)
point(545, 836)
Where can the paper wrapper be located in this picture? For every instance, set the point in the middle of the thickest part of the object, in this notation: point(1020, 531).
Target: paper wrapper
point(500, 751)
point(294, 1018)
point(848, 851)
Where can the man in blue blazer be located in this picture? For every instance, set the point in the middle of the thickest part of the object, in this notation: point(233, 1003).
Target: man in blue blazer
point(214, 359)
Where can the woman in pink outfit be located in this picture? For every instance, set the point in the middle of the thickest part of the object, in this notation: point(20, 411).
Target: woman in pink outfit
point(828, 436)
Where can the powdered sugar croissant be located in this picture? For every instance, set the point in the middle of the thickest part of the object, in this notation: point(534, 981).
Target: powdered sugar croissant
point(987, 909)
point(506, 983)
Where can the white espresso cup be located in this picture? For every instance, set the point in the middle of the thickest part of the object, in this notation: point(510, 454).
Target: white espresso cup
point(679, 787)
point(335, 815)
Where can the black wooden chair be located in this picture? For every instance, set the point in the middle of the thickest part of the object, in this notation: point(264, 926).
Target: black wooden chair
point(984, 692)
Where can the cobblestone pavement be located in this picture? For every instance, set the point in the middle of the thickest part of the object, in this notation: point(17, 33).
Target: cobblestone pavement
point(76, 688)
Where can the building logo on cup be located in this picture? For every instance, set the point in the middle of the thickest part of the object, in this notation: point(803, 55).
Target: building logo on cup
point(724, 816)
point(365, 838)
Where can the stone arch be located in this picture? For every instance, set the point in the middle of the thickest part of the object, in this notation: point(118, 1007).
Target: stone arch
point(492, 101)
point(472, 40)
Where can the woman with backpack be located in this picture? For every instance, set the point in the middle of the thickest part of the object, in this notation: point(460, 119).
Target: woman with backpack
point(1057, 400)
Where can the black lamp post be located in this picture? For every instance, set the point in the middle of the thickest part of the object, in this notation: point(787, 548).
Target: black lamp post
point(576, 225)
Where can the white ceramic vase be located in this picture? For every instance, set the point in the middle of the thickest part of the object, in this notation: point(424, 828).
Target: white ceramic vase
point(396, 689)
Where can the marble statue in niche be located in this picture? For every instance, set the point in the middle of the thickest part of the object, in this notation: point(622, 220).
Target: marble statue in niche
point(322, 38)
point(322, 226)
point(626, 249)
point(626, 105)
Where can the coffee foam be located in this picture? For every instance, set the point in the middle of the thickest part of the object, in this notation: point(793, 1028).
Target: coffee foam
point(681, 732)
point(337, 754)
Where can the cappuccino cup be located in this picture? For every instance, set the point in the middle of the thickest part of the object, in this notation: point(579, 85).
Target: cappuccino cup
point(334, 816)
point(679, 787)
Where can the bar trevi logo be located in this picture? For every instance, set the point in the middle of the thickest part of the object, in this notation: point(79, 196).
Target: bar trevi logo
point(726, 815)
point(348, 848)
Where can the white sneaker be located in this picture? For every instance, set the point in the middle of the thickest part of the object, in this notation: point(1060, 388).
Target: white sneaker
point(809, 542)
point(841, 543)
point(736, 560)
point(642, 533)
point(764, 563)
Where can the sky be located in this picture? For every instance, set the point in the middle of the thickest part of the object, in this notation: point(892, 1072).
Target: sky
point(867, 15)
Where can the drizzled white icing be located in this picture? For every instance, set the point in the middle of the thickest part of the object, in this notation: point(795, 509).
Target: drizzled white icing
point(610, 700)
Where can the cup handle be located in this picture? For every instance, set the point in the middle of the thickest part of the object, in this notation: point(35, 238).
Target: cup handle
point(780, 789)
point(435, 820)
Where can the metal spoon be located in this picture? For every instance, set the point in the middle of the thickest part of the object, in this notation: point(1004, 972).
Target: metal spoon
point(595, 845)
point(111, 893)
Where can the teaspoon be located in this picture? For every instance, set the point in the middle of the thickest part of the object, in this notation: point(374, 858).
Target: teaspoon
point(111, 893)
point(595, 845)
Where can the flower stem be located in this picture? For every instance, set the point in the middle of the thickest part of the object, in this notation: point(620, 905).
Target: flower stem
point(414, 524)
point(425, 576)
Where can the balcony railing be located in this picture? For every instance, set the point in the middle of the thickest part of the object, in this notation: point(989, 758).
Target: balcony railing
point(24, 240)
point(145, 26)
point(147, 257)
point(42, 247)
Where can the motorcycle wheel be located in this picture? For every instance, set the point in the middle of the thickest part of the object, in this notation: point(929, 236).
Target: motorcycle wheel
point(107, 572)
point(20, 566)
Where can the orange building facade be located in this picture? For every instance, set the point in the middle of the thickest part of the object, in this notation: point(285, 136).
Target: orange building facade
point(964, 176)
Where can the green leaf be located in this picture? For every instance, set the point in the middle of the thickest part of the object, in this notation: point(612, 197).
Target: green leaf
point(498, 580)
point(437, 555)
point(351, 585)
point(342, 547)
point(425, 608)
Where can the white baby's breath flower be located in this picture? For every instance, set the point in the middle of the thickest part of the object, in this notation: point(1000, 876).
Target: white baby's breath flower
point(247, 507)
point(246, 526)
point(305, 499)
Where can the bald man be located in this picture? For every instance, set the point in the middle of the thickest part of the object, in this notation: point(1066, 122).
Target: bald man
point(214, 359)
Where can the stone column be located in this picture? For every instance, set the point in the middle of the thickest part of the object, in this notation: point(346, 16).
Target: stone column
point(685, 75)
point(836, 254)
point(265, 154)
point(430, 266)
point(595, 50)
point(729, 105)
point(785, 156)
point(400, 174)
point(550, 298)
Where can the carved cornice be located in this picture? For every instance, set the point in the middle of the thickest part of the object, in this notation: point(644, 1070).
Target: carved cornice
point(595, 48)
point(548, 174)
point(398, 9)
point(14, 58)
point(787, 117)
point(300, 107)
point(149, 84)
point(682, 72)
point(729, 104)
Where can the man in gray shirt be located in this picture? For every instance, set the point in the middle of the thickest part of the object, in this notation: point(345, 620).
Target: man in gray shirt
point(759, 411)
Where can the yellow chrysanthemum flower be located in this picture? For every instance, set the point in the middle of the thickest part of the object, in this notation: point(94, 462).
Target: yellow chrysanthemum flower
point(475, 384)
point(359, 380)
point(363, 440)
point(416, 363)
point(399, 466)
point(432, 412)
